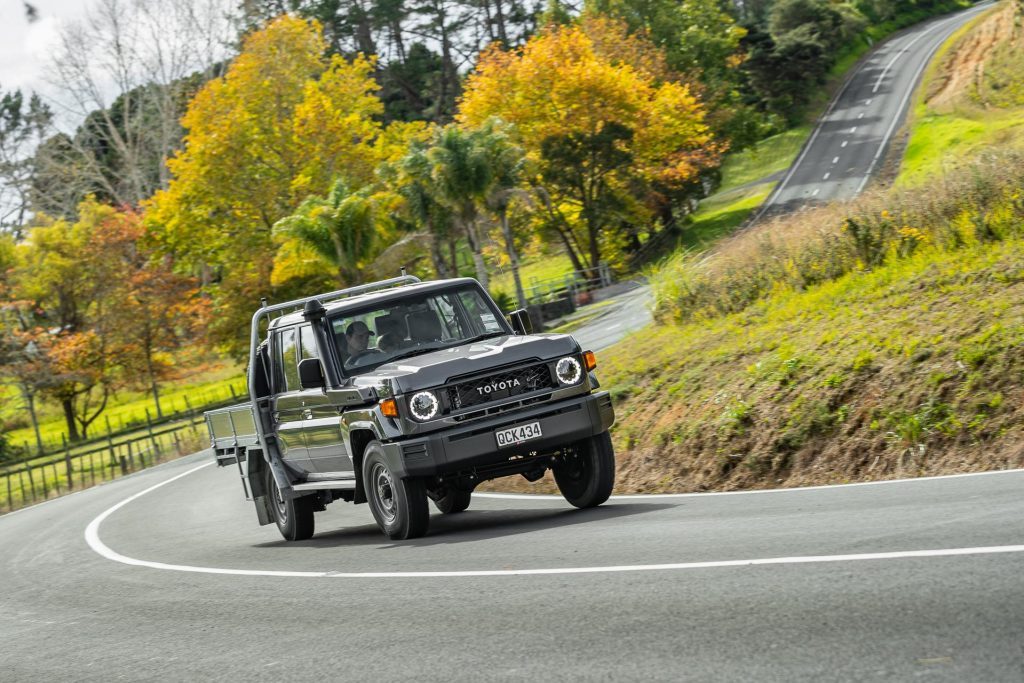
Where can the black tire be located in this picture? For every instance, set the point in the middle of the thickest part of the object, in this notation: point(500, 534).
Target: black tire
point(399, 506)
point(453, 500)
point(294, 518)
point(586, 477)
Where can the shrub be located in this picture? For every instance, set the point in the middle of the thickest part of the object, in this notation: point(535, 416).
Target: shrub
point(983, 203)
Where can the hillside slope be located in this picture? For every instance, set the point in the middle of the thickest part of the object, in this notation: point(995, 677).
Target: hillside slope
point(915, 368)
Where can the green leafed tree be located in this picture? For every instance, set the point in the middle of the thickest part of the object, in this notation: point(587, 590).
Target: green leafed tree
point(340, 227)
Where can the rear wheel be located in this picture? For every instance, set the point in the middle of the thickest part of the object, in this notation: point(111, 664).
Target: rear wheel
point(294, 518)
point(398, 505)
point(453, 500)
point(586, 476)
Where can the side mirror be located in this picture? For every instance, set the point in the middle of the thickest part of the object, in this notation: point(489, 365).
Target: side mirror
point(520, 321)
point(311, 374)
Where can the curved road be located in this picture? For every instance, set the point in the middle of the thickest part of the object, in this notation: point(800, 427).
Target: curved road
point(164, 575)
point(850, 140)
point(881, 581)
point(844, 151)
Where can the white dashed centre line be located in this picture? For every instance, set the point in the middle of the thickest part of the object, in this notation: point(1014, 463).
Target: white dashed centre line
point(845, 143)
point(816, 191)
point(853, 130)
point(835, 160)
point(825, 177)
point(860, 115)
point(867, 102)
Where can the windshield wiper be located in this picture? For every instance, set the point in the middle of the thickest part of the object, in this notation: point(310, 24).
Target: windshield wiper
point(485, 335)
point(416, 352)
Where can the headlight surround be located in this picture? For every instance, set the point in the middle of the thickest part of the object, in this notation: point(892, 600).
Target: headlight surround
point(568, 371)
point(424, 405)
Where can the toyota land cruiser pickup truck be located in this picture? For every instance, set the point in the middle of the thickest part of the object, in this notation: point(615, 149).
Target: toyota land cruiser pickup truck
point(401, 391)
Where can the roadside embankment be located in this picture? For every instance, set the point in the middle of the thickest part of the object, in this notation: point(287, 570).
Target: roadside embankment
point(876, 339)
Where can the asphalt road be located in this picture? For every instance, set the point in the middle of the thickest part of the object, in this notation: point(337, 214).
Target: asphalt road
point(629, 312)
point(897, 581)
point(844, 152)
point(892, 581)
point(849, 143)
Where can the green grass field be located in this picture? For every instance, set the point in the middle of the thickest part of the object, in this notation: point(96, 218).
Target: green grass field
point(128, 409)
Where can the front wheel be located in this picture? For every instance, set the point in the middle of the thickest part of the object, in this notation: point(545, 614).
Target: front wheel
point(294, 518)
point(586, 476)
point(399, 506)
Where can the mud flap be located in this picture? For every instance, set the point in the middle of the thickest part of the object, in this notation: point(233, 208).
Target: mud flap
point(263, 511)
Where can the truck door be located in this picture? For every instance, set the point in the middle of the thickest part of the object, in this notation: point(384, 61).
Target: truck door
point(322, 427)
point(289, 412)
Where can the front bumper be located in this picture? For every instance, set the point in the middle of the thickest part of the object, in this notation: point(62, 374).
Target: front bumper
point(474, 446)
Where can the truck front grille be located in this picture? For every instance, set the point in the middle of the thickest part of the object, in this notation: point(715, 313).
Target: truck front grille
point(516, 382)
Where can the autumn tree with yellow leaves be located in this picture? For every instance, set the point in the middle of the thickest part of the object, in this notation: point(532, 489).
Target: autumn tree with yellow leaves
point(282, 124)
point(610, 132)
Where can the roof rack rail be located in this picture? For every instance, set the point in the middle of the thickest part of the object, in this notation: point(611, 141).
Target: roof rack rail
point(333, 296)
point(265, 311)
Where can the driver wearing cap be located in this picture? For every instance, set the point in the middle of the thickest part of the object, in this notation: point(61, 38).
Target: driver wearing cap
point(357, 338)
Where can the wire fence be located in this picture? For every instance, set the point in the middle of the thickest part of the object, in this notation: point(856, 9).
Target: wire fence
point(38, 481)
point(120, 424)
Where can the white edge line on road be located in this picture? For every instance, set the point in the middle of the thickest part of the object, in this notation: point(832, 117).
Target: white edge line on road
point(93, 539)
point(810, 143)
point(751, 492)
point(969, 14)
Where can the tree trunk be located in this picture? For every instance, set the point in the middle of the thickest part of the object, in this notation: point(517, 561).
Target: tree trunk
point(438, 258)
point(454, 255)
point(499, 15)
point(156, 399)
point(68, 405)
point(30, 403)
point(513, 256)
point(478, 255)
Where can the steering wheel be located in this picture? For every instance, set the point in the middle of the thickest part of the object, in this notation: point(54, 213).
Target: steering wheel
point(351, 360)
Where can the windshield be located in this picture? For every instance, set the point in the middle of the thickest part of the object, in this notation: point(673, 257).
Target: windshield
point(370, 337)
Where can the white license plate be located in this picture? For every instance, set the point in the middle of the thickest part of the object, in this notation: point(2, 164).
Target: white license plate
point(518, 434)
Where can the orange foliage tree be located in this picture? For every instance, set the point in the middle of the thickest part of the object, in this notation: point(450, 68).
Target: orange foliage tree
point(609, 131)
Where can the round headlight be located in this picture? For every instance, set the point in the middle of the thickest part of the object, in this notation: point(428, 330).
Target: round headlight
point(424, 405)
point(568, 370)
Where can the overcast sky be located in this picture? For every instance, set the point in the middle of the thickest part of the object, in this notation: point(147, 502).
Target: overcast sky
point(24, 46)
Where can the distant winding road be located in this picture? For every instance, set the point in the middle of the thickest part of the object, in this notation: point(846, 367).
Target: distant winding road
point(165, 575)
point(849, 142)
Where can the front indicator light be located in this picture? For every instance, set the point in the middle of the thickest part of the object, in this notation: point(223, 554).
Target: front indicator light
point(389, 407)
point(590, 359)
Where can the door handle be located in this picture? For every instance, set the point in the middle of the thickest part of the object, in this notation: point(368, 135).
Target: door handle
point(307, 414)
point(276, 416)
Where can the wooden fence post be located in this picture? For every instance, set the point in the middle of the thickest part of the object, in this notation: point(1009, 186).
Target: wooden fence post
point(92, 469)
point(56, 478)
point(42, 480)
point(31, 482)
point(10, 496)
point(124, 465)
point(149, 428)
point(131, 460)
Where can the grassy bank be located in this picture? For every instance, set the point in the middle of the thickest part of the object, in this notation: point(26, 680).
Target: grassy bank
point(972, 98)
point(911, 368)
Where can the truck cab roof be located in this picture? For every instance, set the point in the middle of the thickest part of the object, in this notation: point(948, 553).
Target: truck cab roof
point(376, 297)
